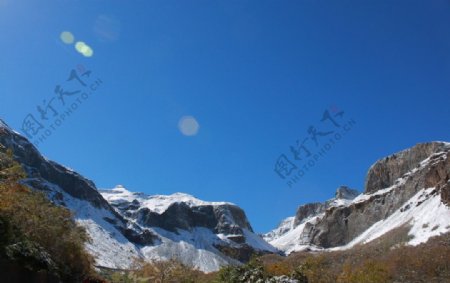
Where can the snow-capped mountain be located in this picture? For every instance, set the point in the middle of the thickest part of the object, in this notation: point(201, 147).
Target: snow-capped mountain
point(291, 235)
point(156, 203)
point(410, 188)
point(124, 226)
point(208, 234)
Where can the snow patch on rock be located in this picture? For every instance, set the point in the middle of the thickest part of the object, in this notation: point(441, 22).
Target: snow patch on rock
point(156, 203)
point(424, 212)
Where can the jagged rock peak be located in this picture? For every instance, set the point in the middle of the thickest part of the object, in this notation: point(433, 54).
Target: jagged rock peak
point(344, 192)
point(384, 172)
point(343, 196)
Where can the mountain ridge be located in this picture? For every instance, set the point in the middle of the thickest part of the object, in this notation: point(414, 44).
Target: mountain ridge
point(203, 235)
point(410, 187)
point(416, 176)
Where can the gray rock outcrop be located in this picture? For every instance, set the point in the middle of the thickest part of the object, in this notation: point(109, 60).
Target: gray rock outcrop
point(405, 173)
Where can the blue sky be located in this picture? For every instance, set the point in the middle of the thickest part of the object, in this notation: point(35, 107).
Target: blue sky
point(254, 74)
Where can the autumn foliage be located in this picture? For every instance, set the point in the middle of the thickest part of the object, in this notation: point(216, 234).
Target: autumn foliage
point(38, 238)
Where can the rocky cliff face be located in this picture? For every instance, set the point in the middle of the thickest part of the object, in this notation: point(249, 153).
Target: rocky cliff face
point(343, 195)
point(397, 187)
point(296, 233)
point(39, 167)
point(213, 226)
point(386, 171)
point(201, 234)
point(57, 180)
point(391, 182)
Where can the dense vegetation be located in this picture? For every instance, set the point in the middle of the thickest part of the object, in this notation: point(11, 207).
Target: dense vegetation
point(383, 260)
point(158, 272)
point(39, 241)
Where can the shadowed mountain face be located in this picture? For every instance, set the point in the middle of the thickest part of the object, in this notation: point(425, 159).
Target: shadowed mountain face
point(39, 167)
point(201, 234)
point(181, 216)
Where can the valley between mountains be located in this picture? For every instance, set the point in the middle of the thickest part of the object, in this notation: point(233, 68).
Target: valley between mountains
point(406, 190)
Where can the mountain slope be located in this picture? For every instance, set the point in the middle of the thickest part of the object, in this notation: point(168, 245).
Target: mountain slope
point(206, 234)
point(407, 188)
point(200, 234)
point(293, 233)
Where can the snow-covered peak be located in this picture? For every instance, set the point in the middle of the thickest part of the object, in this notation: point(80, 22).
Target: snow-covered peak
point(156, 203)
point(197, 232)
point(307, 213)
point(285, 226)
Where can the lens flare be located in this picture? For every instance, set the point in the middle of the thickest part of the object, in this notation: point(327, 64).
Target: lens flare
point(67, 37)
point(84, 49)
point(188, 126)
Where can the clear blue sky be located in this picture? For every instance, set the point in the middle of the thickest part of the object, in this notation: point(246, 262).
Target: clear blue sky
point(254, 74)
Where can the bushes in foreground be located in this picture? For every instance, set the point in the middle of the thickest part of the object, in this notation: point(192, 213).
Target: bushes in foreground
point(255, 272)
point(159, 272)
point(384, 260)
point(38, 238)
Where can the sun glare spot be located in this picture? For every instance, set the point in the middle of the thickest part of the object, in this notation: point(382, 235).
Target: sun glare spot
point(67, 37)
point(188, 126)
point(84, 49)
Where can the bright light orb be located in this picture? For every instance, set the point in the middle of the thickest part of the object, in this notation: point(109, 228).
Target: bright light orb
point(67, 37)
point(188, 126)
point(84, 49)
